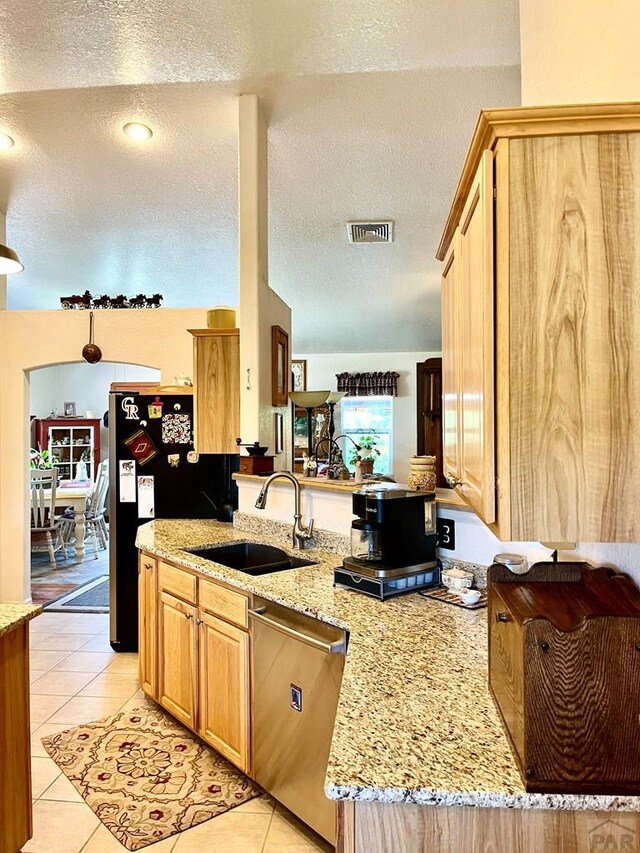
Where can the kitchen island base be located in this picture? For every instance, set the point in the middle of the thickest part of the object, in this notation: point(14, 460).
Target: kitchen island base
point(365, 827)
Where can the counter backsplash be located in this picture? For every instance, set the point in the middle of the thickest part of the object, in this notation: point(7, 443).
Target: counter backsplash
point(327, 540)
point(479, 572)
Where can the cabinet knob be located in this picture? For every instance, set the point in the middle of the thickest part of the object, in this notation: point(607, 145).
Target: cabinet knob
point(148, 566)
point(189, 615)
point(199, 621)
point(503, 617)
point(453, 481)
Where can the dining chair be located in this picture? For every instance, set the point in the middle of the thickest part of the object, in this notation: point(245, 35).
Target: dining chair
point(95, 525)
point(46, 529)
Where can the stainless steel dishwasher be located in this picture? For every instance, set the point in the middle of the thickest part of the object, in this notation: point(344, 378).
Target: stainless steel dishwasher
point(297, 670)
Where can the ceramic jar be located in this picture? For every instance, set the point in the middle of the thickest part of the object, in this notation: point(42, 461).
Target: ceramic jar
point(422, 473)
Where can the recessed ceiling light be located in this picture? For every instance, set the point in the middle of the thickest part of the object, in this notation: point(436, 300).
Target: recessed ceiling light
point(137, 131)
point(6, 141)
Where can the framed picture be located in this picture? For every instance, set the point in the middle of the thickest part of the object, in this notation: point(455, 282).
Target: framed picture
point(279, 366)
point(69, 410)
point(278, 431)
point(299, 374)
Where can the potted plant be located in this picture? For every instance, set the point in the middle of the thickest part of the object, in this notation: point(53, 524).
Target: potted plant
point(367, 451)
point(40, 459)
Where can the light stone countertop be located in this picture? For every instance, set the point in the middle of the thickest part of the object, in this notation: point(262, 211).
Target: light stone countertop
point(14, 615)
point(415, 720)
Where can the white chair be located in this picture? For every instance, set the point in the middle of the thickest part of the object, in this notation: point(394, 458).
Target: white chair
point(46, 529)
point(95, 524)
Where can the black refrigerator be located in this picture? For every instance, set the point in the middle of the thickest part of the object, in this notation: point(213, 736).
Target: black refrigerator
point(154, 472)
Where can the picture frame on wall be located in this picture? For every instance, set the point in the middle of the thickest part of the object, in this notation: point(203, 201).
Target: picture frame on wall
point(278, 432)
point(299, 374)
point(279, 366)
point(69, 410)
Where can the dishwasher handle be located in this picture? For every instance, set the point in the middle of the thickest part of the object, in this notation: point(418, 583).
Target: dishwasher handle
point(338, 647)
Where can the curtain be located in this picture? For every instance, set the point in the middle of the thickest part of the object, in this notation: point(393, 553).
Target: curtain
point(369, 384)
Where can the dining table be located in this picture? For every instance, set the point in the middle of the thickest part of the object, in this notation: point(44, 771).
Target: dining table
point(75, 497)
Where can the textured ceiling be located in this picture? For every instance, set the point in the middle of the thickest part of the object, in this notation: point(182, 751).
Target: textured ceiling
point(85, 43)
point(89, 208)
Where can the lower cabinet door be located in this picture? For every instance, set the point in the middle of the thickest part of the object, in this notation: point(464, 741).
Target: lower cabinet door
point(147, 624)
point(177, 654)
point(224, 689)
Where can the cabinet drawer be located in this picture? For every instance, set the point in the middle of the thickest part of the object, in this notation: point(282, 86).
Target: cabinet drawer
point(225, 603)
point(178, 582)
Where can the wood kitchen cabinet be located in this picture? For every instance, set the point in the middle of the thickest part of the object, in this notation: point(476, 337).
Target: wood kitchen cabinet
point(224, 688)
point(541, 368)
point(216, 380)
point(147, 624)
point(178, 655)
point(194, 635)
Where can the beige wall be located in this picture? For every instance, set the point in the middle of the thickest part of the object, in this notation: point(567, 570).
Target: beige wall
point(575, 52)
point(29, 339)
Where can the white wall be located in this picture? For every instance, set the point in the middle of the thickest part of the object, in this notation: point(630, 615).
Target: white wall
point(574, 52)
point(321, 373)
point(85, 384)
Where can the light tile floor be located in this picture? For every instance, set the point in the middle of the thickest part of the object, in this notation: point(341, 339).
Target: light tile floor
point(77, 678)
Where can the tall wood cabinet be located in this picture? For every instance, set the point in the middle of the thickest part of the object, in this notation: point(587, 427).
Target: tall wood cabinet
point(541, 323)
point(216, 381)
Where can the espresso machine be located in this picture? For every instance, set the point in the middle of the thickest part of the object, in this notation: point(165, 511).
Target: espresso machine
point(393, 542)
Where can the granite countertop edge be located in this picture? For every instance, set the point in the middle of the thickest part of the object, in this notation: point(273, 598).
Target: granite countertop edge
point(14, 615)
point(459, 744)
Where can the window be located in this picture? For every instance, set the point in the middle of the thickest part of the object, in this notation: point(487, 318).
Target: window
point(362, 416)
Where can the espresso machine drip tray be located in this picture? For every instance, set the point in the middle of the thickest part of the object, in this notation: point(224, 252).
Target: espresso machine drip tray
point(373, 569)
point(402, 581)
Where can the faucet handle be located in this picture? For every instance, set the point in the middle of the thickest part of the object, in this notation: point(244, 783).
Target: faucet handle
point(308, 531)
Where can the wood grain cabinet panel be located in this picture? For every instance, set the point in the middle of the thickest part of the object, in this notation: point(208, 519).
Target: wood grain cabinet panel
point(147, 623)
point(177, 651)
point(216, 379)
point(450, 367)
point(224, 689)
point(544, 362)
point(575, 312)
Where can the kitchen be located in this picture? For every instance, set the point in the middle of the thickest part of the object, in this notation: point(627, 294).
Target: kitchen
point(326, 611)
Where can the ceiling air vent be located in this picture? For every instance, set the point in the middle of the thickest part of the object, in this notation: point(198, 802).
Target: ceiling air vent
point(370, 232)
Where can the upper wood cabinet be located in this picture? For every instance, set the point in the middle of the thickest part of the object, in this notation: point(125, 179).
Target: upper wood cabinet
point(216, 380)
point(541, 316)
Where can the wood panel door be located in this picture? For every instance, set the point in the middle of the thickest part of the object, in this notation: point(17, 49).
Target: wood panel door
point(147, 623)
point(476, 282)
point(177, 653)
point(575, 317)
point(429, 410)
point(451, 445)
point(224, 689)
point(216, 367)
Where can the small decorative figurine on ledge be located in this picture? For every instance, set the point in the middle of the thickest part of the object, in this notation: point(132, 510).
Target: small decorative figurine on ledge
point(87, 301)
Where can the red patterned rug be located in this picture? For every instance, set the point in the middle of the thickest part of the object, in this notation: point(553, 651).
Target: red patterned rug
point(147, 777)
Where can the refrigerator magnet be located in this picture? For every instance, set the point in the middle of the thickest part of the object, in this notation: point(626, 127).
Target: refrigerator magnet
point(127, 481)
point(155, 408)
point(173, 459)
point(141, 447)
point(146, 507)
point(176, 428)
point(193, 456)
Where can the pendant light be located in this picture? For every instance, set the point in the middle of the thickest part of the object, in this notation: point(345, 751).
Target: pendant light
point(9, 261)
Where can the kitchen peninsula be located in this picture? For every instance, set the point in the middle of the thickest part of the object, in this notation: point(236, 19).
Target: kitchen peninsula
point(418, 751)
point(15, 763)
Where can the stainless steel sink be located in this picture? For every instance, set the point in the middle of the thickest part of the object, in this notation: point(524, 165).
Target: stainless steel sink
point(252, 558)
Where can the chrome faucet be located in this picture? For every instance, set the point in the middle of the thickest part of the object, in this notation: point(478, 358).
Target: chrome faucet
point(300, 535)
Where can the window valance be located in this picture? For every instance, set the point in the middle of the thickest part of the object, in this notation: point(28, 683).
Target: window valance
point(369, 384)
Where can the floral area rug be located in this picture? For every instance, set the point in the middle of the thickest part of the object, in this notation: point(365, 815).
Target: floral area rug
point(147, 777)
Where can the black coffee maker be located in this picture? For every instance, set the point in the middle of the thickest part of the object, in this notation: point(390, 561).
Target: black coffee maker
point(393, 541)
